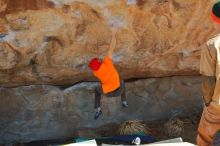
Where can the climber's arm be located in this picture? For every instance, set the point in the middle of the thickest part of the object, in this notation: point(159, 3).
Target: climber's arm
point(113, 43)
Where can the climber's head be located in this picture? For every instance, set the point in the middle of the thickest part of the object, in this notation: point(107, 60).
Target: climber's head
point(95, 63)
point(215, 14)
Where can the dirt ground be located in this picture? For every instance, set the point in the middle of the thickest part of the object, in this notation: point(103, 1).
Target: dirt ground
point(188, 135)
point(156, 129)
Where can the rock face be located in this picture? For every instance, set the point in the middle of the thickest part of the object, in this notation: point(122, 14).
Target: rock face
point(46, 45)
point(51, 42)
point(38, 112)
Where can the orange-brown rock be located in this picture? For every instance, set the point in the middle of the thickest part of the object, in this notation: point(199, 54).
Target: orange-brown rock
point(3, 31)
point(56, 39)
point(14, 6)
point(8, 57)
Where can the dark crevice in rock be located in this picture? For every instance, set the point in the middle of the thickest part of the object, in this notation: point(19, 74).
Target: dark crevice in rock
point(95, 13)
point(141, 3)
point(53, 38)
point(80, 29)
point(66, 8)
point(69, 85)
point(66, 86)
point(144, 78)
point(63, 87)
point(33, 60)
point(14, 6)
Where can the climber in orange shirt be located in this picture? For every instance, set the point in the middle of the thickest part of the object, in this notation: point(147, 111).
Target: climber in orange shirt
point(105, 71)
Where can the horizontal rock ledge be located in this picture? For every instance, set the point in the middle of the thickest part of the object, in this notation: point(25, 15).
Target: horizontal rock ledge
point(42, 112)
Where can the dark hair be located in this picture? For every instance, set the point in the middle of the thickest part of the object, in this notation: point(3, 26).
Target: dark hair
point(216, 9)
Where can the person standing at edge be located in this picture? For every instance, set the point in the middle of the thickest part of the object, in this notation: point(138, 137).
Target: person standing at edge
point(210, 70)
point(105, 71)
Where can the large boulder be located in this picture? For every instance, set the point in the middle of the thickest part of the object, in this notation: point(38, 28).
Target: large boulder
point(46, 45)
point(51, 42)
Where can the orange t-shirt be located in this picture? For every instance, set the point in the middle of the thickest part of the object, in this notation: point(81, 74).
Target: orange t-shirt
point(108, 75)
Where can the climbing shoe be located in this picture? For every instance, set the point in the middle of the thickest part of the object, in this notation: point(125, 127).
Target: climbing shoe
point(124, 104)
point(97, 114)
